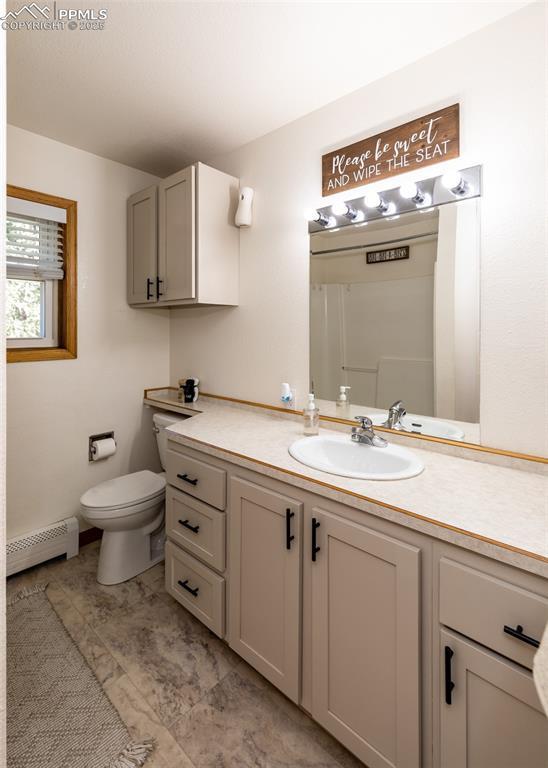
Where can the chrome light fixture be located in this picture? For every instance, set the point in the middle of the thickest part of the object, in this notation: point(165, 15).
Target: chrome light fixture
point(422, 196)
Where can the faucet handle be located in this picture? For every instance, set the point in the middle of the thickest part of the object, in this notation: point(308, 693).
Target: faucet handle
point(365, 421)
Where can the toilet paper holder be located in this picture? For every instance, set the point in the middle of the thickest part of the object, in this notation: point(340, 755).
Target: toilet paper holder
point(100, 436)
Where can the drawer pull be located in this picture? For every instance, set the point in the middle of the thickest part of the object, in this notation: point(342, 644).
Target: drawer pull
point(315, 548)
point(519, 635)
point(449, 684)
point(187, 479)
point(186, 524)
point(184, 585)
point(288, 536)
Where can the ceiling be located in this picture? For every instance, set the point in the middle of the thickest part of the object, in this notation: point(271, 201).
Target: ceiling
point(168, 83)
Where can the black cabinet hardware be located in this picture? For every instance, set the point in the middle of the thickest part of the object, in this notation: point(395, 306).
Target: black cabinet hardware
point(193, 528)
point(449, 684)
point(187, 479)
point(288, 537)
point(184, 585)
point(158, 284)
point(315, 548)
point(519, 634)
point(149, 288)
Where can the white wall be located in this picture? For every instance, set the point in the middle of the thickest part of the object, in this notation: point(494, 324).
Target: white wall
point(54, 406)
point(498, 76)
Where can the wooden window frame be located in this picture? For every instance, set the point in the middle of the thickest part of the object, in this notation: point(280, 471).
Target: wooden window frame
point(66, 348)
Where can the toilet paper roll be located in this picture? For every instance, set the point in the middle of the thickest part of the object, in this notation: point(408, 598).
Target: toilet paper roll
point(102, 449)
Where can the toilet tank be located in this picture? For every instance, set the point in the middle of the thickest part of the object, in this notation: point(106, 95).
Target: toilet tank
point(161, 421)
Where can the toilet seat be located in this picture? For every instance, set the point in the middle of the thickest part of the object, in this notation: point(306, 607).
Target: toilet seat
point(122, 495)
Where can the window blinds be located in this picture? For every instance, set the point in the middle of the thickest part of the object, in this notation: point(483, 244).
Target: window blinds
point(34, 247)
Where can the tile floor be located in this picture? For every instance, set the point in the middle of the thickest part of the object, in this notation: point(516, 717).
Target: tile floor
point(172, 679)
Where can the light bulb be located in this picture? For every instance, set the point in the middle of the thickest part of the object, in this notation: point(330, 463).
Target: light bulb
point(453, 181)
point(408, 190)
point(312, 214)
point(390, 209)
point(318, 217)
point(372, 200)
point(340, 208)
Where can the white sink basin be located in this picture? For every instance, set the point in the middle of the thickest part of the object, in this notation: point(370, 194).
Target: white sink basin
point(338, 455)
point(423, 425)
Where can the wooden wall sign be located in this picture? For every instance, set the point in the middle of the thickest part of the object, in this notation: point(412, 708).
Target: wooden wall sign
point(388, 254)
point(424, 141)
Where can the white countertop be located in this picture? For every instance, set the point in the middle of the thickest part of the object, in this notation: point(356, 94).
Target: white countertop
point(493, 510)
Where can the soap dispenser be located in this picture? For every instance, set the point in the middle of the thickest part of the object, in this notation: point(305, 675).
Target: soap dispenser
point(343, 401)
point(311, 416)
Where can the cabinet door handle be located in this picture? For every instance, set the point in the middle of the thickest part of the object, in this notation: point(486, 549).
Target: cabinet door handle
point(449, 684)
point(519, 634)
point(149, 288)
point(193, 528)
point(158, 284)
point(193, 591)
point(288, 536)
point(187, 479)
point(315, 548)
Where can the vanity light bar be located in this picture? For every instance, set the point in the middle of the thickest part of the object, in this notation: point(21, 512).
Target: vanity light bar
point(422, 195)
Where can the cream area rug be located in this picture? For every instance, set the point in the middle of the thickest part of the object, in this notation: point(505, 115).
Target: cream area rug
point(58, 714)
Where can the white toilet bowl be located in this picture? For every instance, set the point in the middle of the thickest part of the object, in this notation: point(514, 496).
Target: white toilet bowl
point(130, 511)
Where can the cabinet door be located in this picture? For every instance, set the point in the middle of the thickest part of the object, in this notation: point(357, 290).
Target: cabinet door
point(176, 237)
point(365, 641)
point(265, 582)
point(142, 246)
point(495, 719)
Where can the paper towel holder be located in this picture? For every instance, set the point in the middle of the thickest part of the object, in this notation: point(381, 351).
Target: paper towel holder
point(92, 438)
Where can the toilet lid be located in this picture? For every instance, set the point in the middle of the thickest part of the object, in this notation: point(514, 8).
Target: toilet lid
point(124, 491)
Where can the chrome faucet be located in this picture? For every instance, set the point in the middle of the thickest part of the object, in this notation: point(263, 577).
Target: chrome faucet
point(365, 435)
point(396, 412)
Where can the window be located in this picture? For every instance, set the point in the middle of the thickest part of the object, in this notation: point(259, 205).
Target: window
point(41, 276)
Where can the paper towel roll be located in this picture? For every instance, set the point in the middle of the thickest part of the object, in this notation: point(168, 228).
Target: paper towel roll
point(102, 449)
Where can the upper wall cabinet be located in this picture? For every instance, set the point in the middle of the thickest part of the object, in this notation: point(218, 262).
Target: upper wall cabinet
point(183, 247)
point(141, 246)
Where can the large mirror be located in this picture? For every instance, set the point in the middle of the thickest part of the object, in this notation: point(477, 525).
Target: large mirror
point(394, 316)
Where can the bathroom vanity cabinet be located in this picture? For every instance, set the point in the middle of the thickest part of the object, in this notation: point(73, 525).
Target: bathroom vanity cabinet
point(265, 554)
point(183, 245)
point(351, 617)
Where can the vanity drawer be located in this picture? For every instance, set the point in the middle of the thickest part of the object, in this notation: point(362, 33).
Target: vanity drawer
point(203, 593)
point(480, 606)
point(204, 481)
point(196, 527)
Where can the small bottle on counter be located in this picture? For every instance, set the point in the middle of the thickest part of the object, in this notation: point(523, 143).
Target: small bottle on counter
point(343, 401)
point(311, 416)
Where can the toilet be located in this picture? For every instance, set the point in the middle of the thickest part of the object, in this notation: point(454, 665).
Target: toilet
point(130, 511)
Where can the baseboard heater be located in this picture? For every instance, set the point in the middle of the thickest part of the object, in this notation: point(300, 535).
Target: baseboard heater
point(43, 544)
